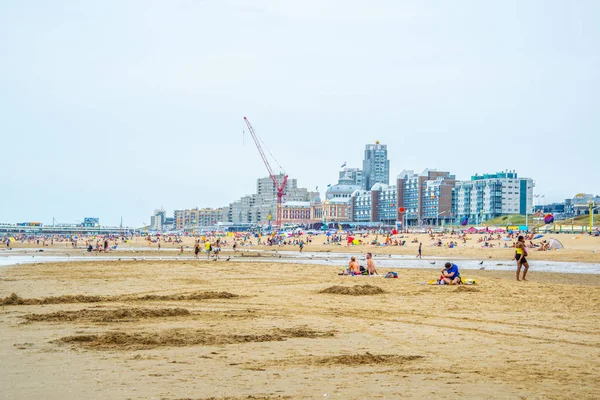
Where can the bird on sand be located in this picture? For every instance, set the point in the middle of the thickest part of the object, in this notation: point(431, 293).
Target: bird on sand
point(481, 263)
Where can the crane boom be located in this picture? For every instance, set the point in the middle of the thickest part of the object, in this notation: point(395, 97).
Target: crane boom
point(260, 150)
point(280, 188)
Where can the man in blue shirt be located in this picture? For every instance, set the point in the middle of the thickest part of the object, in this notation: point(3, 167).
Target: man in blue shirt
point(450, 274)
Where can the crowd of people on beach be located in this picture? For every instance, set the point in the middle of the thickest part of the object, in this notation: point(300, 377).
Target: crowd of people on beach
point(213, 243)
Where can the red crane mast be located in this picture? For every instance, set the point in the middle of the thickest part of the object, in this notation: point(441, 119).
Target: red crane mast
point(280, 188)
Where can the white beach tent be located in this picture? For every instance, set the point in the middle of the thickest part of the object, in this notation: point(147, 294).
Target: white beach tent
point(555, 244)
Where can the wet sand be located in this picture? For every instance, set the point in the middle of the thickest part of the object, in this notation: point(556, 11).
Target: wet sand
point(203, 329)
point(578, 248)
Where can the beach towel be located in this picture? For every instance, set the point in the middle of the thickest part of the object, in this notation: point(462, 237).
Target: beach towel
point(391, 274)
point(464, 281)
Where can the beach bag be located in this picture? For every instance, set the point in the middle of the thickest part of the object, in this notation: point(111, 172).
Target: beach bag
point(391, 274)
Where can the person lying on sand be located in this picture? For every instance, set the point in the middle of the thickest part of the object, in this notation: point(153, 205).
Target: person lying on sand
point(450, 274)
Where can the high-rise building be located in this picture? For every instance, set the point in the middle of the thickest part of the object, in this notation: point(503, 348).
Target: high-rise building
point(377, 205)
point(376, 166)
point(351, 176)
point(492, 195)
point(425, 197)
point(257, 208)
point(157, 221)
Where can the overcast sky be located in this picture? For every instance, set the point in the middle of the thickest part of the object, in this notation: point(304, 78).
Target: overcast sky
point(114, 108)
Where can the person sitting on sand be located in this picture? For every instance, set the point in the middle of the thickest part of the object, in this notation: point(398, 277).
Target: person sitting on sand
point(371, 265)
point(450, 274)
point(353, 267)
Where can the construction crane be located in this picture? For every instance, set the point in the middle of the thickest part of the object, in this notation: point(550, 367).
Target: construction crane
point(279, 187)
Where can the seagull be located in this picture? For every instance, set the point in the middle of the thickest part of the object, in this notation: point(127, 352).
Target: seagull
point(228, 258)
point(433, 263)
point(68, 255)
point(481, 263)
point(389, 256)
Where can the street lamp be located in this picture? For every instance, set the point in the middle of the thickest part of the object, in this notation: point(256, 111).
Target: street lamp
point(405, 218)
point(437, 219)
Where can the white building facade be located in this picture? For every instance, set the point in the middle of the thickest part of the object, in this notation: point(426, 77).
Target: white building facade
point(492, 195)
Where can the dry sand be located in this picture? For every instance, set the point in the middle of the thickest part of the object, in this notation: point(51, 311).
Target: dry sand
point(199, 330)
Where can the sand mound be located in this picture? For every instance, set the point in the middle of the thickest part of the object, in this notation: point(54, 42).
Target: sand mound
point(357, 290)
point(241, 398)
point(193, 296)
point(179, 338)
point(304, 333)
point(466, 289)
point(362, 359)
point(15, 300)
point(122, 314)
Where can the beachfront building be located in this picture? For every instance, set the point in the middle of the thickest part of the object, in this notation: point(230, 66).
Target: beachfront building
point(376, 166)
point(377, 205)
point(581, 203)
point(157, 221)
point(296, 212)
point(259, 207)
point(426, 198)
point(489, 196)
point(196, 218)
point(335, 210)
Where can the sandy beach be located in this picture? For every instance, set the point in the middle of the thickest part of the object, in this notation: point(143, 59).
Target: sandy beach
point(233, 330)
point(577, 248)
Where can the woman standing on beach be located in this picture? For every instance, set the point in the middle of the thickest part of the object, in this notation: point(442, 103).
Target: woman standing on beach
point(520, 253)
point(196, 248)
